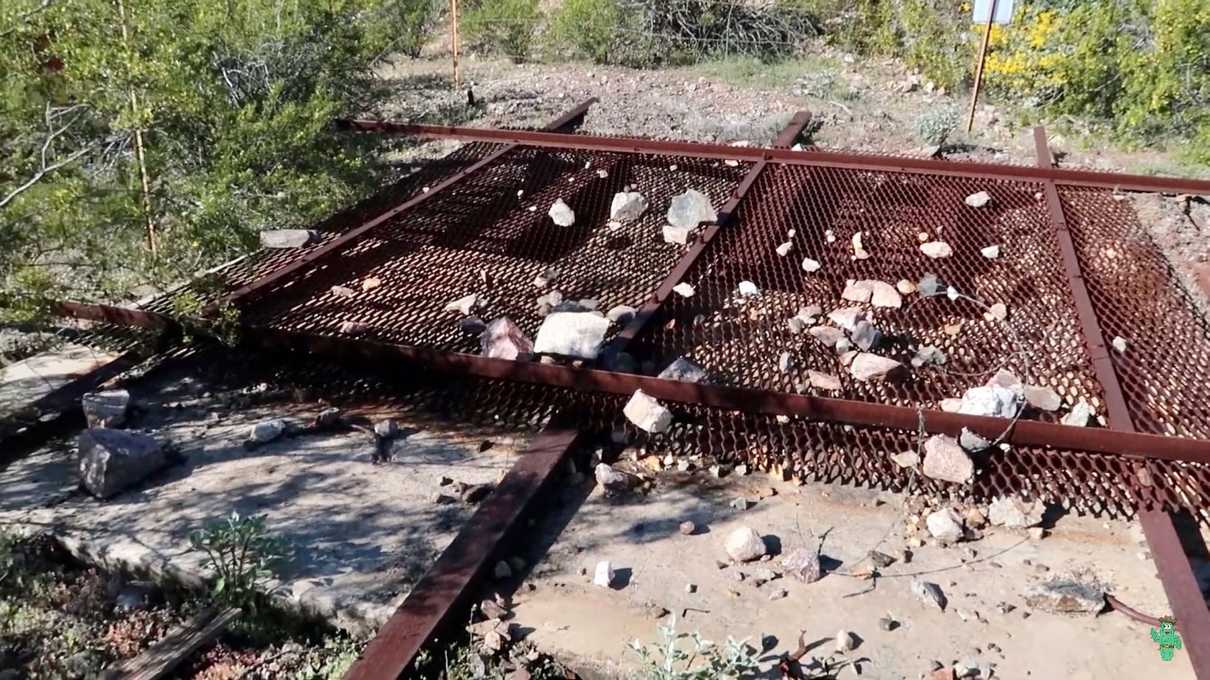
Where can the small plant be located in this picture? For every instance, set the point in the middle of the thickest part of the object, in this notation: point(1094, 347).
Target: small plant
point(506, 26)
point(241, 553)
point(673, 659)
point(935, 126)
point(587, 29)
point(189, 304)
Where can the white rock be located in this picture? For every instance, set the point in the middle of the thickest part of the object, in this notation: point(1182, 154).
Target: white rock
point(827, 335)
point(906, 459)
point(803, 563)
point(945, 525)
point(785, 362)
point(745, 545)
point(683, 289)
point(1014, 513)
point(463, 305)
point(621, 314)
point(614, 481)
point(504, 340)
point(627, 206)
point(1080, 416)
point(602, 173)
point(678, 235)
point(859, 250)
point(105, 409)
point(991, 400)
point(883, 294)
point(844, 642)
point(1042, 398)
point(857, 291)
point(684, 370)
point(998, 311)
point(944, 459)
point(690, 209)
point(847, 317)
point(936, 249)
point(1119, 343)
point(952, 293)
point(287, 238)
point(561, 213)
point(865, 335)
point(972, 441)
point(572, 334)
point(868, 366)
point(784, 249)
point(646, 413)
point(929, 593)
point(111, 461)
point(809, 265)
point(978, 200)
point(990, 252)
point(823, 381)
point(748, 289)
point(829, 236)
point(905, 287)
point(267, 431)
point(950, 405)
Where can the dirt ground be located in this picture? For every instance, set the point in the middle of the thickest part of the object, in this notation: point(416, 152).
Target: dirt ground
point(359, 533)
point(987, 619)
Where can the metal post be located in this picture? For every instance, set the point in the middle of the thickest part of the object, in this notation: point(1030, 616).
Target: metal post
point(455, 41)
point(987, 34)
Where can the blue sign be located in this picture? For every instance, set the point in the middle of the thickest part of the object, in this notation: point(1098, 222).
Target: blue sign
point(1004, 11)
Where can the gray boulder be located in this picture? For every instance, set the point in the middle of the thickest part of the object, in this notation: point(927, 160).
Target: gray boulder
point(106, 409)
point(287, 238)
point(572, 334)
point(111, 461)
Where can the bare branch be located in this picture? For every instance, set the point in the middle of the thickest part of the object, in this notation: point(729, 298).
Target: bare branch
point(45, 167)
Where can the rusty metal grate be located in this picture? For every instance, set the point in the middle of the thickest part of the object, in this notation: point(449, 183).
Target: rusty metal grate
point(740, 340)
point(482, 237)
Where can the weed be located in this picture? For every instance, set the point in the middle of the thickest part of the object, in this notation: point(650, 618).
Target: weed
point(935, 126)
point(241, 553)
point(672, 659)
point(505, 26)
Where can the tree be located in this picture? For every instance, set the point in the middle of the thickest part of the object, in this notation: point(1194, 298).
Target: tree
point(145, 140)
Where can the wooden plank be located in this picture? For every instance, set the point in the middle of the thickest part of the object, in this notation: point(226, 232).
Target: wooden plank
point(162, 657)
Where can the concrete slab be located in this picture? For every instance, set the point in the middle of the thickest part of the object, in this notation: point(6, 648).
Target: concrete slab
point(361, 534)
point(589, 627)
point(27, 381)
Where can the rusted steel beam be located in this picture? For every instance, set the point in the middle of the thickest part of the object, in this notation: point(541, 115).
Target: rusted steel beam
point(928, 166)
point(851, 412)
point(444, 592)
point(347, 239)
point(650, 308)
point(1175, 572)
point(121, 316)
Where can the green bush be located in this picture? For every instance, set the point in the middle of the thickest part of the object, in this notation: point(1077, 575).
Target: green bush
point(241, 554)
point(587, 29)
point(503, 26)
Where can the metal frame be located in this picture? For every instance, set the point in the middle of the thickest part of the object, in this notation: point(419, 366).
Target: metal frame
point(1175, 572)
point(754, 154)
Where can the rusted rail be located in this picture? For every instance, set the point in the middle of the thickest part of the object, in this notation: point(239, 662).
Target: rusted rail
point(1176, 574)
point(1126, 182)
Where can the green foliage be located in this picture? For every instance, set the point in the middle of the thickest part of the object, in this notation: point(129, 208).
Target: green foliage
point(232, 100)
point(241, 553)
point(587, 29)
point(673, 659)
point(503, 26)
point(935, 125)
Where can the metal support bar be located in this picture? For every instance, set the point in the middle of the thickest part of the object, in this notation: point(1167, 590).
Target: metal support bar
point(1176, 574)
point(352, 236)
point(928, 166)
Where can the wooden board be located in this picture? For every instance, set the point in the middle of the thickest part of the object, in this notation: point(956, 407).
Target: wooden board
point(159, 659)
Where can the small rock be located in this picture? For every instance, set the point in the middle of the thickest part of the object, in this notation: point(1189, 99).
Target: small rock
point(784, 249)
point(928, 354)
point(621, 314)
point(906, 459)
point(785, 362)
point(690, 209)
point(888, 624)
point(803, 564)
point(945, 525)
point(646, 413)
point(1119, 343)
point(990, 252)
point(747, 289)
point(972, 442)
point(936, 249)
point(683, 289)
point(352, 328)
point(1066, 595)
point(627, 206)
point(929, 285)
point(614, 481)
point(844, 642)
point(866, 366)
point(828, 335)
point(462, 305)
point(1080, 415)
point(745, 545)
point(823, 381)
point(267, 431)
point(342, 291)
point(1042, 398)
point(978, 200)
point(880, 560)
point(572, 334)
point(991, 400)
point(684, 370)
point(287, 238)
point(974, 517)
point(678, 235)
point(688, 528)
point(883, 294)
point(370, 284)
point(865, 335)
point(603, 575)
point(929, 593)
point(741, 503)
point(561, 214)
point(796, 325)
point(905, 287)
point(857, 291)
point(847, 317)
point(504, 340)
point(944, 459)
point(859, 251)
point(998, 311)
point(809, 265)
point(1014, 513)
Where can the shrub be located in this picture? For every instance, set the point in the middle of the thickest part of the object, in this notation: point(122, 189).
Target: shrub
point(504, 26)
point(587, 29)
point(935, 126)
point(672, 659)
point(241, 554)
